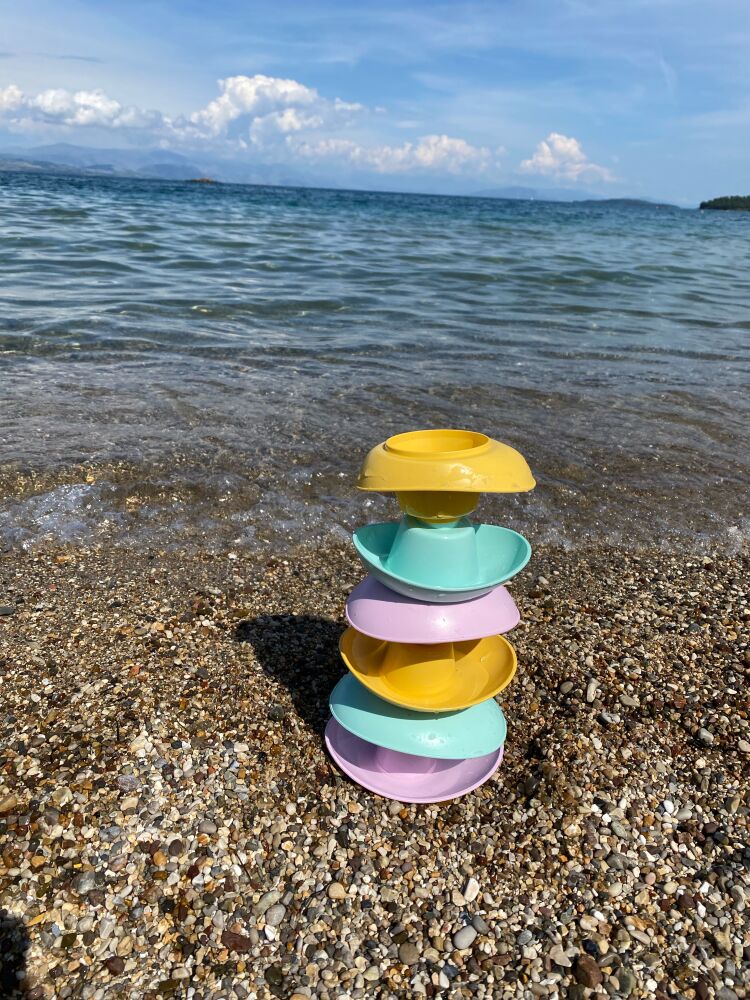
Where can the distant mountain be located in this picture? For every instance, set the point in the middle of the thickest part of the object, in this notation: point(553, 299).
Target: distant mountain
point(19, 164)
point(113, 158)
point(155, 163)
point(161, 164)
point(114, 162)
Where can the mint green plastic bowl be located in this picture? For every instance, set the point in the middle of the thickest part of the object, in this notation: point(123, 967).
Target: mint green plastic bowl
point(472, 732)
point(445, 554)
point(423, 563)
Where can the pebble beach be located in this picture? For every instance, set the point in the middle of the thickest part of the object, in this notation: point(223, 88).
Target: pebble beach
point(171, 826)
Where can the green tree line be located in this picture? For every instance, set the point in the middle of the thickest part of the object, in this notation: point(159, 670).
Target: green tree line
point(733, 202)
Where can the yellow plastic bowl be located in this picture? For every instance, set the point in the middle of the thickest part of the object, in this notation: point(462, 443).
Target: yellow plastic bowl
point(452, 461)
point(439, 677)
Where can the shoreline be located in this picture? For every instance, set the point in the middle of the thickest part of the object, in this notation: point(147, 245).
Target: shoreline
point(170, 821)
point(182, 506)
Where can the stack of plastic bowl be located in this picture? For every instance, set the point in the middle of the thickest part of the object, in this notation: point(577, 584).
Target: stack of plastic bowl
point(415, 718)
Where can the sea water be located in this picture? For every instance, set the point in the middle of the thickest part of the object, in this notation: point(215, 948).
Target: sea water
point(208, 364)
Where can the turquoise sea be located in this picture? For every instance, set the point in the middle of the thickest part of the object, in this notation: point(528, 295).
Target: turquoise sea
point(187, 364)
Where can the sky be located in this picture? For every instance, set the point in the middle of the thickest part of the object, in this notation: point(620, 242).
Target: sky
point(643, 98)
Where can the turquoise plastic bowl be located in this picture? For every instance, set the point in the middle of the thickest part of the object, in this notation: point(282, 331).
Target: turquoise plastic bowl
point(429, 573)
point(472, 732)
point(445, 554)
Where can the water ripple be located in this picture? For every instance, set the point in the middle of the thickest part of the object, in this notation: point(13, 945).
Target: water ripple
point(189, 330)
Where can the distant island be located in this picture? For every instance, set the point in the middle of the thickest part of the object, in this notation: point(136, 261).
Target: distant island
point(730, 203)
point(568, 195)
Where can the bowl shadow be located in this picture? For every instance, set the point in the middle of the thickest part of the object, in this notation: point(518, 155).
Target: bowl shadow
point(14, 944)
point(301, 652)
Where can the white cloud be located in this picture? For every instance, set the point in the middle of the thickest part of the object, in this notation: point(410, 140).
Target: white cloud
point(270, 115)
point(561, 156)
point(68, 109)
point(431, 152)
point(269, 128)
point(253, 96)
point(11, 98)
point(257, 109)
point(264, 109)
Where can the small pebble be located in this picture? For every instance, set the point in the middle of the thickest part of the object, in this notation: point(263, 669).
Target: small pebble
point(587, 972)
point(626, 981)
point(8, 803)
point(275, 915)
point(408, 953)
point(84, 882)
point(471, 890)
point(558, 956)
point(464, 938)
point(267, 900)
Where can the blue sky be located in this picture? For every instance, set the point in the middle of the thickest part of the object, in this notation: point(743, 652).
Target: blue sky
point(619, 97)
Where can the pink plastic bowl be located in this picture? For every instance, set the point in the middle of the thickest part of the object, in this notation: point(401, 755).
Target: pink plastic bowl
point(379, 612)
point(402, 776)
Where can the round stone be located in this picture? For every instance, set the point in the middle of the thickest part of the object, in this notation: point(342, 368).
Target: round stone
point(275, 915)
point(266, 901)
point(336, 891)
point(464, 938)
point(408, 953)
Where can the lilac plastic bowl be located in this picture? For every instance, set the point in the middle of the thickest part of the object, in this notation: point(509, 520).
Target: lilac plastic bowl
point(380, 612)
point(402, 776)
